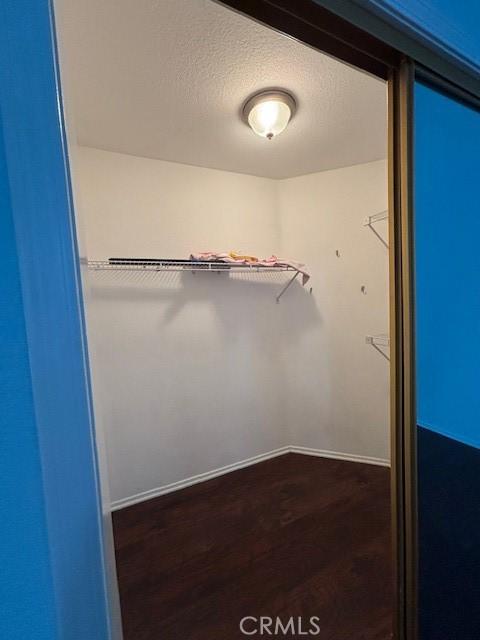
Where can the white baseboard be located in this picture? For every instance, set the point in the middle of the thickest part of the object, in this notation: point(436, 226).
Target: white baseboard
point(337, 455)
point(202, 477)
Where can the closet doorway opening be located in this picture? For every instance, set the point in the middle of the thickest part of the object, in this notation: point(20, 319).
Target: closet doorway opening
point(231, 188)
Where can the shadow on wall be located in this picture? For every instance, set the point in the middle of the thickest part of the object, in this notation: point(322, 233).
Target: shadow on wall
point(241, 303)
point(193, 369)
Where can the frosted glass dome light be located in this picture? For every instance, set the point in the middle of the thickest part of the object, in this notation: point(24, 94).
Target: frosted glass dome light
point(269, 112)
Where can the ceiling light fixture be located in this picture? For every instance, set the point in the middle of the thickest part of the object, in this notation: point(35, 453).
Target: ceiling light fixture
point(269, 112)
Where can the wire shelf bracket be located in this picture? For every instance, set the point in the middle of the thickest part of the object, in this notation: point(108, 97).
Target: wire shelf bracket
point(380, 343)
point(292, 279)
point(370, 221)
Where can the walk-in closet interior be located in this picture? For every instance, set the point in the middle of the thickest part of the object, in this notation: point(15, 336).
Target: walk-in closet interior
point(230, 195)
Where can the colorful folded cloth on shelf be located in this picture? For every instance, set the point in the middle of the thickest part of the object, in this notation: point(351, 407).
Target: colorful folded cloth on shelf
point(236, 258)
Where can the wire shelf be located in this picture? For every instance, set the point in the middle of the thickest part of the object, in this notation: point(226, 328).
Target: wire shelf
point(164, 265)
point(139, 264)
point(377, 217)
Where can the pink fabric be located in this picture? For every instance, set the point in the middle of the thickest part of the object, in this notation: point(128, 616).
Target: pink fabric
point(272, 261)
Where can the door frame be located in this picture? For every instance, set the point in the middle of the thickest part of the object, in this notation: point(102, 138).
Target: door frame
point(315, 26)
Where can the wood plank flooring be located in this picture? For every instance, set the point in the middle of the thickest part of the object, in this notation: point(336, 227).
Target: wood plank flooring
point(292, 536)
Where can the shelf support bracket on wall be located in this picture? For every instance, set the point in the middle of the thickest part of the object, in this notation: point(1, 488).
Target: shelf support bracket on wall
point(369, 221)
point(379, 341)
point(294, 277)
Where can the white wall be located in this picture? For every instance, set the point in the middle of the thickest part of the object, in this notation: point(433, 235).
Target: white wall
point(196, 371)
point(338, 385)
point(187, 365)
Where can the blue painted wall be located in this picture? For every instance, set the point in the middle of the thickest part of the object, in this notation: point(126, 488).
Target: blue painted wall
point(447, 273)
point(452, 24)
point(449, 529)
point(26, 594)
point(447, 232)
point(55, 437)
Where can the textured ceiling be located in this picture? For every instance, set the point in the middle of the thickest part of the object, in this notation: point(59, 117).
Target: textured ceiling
point(167, 78)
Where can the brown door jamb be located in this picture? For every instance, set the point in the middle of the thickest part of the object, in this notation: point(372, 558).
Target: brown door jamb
point(402, 372)
point(308, 22)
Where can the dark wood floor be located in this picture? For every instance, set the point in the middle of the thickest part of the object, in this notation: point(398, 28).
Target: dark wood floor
point(292, 536)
